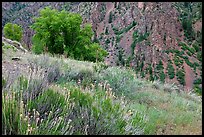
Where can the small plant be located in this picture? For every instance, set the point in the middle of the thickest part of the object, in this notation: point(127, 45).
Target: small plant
point(180, 76)
point(170, 69)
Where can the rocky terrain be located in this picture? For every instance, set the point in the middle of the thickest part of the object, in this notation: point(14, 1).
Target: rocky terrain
point(159, 40)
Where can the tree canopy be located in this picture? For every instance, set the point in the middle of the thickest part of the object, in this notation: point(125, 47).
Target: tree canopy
point(13, 31)
point(61, 32)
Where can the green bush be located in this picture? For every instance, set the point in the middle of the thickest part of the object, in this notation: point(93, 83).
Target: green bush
point(13, 31)
point(196, 46)
point(99, 111)
point(197, 89)
point(199, 56)
point(197, 81)
point(189, 63)
point(53, 72)
point(118, 38)
point(110, 17)
point(48, 101)
point(178, 61)
point(181, 77)
point(37, 49)
point(121, 80)
point(170, 69)
point(106, 31)
point(162, 76)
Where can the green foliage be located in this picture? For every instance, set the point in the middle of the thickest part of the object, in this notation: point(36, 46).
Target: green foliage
point(199, 56)
point(120, 80)
point(69, 114)
point(142, 74)
point(189, 63)
point(110, 17)
point(197, 81)
point(160, 71)
point(133, 45)
point(178, 61)
point(137, 38)
point(121, 60)
point(197, 46)
point(117, 32)
point(106, 31)
point(13, 31)
point(37, 48)
point(107, 41)
point(95, 53)
point(170, 69)
point(118, 38)
point(180, 76)
point(197, 89)
point(185, 47)
point(59, 32)
point(162, 76)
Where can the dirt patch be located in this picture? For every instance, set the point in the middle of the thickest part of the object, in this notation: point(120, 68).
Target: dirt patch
point(197, 26)
point(189, 76)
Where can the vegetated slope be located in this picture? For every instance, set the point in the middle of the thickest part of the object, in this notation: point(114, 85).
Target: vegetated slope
point(160, 40)
point(76, 97)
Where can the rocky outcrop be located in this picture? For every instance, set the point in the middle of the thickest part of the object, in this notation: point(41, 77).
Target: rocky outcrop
point(14, 43)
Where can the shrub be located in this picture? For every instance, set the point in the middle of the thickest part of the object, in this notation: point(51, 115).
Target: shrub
point(162, 76)
point(121, 80)
point(76, 112)
point(106, 31)
point(189, 63)
point(99, 111)
point(196, 46)
point(180, 76)
point(170, 69)
point(178, 61)
point(197, 81)
point(199, 56)
point(13, 31)
point(53, 72)
point(118, 38)
point(197, 89)
point(110, 17)
point(48, 101)
point(83, 75)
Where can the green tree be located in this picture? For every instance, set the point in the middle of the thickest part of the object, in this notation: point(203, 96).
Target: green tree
point(96, 53)
point(13, 31)
point(60, 32)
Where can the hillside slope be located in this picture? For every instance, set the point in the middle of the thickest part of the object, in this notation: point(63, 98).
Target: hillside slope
point(64, 96)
